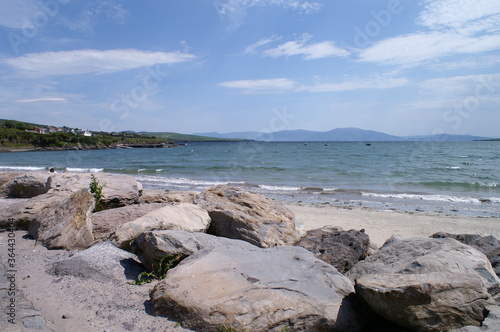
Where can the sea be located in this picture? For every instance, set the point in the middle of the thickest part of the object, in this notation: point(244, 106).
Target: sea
point(451, 178)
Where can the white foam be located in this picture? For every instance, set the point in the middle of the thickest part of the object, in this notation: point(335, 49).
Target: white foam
point(84, 170)
point(23, 168)
point(279, 188)
point(440, 198)
point(181, 182)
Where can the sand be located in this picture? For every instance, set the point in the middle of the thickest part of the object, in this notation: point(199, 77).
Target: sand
point(69, 303)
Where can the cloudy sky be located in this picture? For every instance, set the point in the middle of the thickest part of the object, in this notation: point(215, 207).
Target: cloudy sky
point(404, 67)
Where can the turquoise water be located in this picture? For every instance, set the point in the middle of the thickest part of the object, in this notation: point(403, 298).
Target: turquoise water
point(447, 176)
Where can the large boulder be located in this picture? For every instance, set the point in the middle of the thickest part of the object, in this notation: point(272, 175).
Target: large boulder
point(102, 261)
point(105, 221)
point(238, 214)
point(488, 245)
point(6, 177)
point(438, 301)
point(425, 255)
point(184, 216)
point(151, 247)
point(66, 224)
point(27, 185)
point(342, 249)
point(157, 196)
point(117, 189)
point(244, 287)
point(490, 324)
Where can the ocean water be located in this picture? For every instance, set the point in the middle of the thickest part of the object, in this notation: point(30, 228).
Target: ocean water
point(461, 178)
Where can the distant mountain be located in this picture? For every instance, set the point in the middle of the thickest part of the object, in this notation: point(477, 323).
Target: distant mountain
point(339, 135)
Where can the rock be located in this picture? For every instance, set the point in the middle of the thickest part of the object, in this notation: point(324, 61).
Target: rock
point(488, 245)
point(105, 221)
point(342, 249)
point(150, 196)
point(118, 190)
point(27, 185)
point(491, 323)
point(150, 247)
point(6, 177)
point(103, 262)
point(238, 214)
point(66, 224)
point(245, 287)
point(184, 216)
point(438, 301)
point(424, 255)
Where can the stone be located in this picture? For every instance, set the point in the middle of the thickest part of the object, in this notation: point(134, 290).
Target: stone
point(150, 247)
point(342, 249)
point(102, 261)
point(491, 323)
point(238, 214)
point(150, 196)
point(438, 301)
point(105, 221)
point(6, 177)
point(244, 287)
point(426, 255)
point(66, 224)
point(184, 216)
point(27, 185)
point(118, 190)
point(488, 245)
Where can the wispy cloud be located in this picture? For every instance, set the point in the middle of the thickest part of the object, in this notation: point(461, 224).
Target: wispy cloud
point(90, 61)
point(49, 99)
point(357, 84)
point(251, 49)
point(453, 28)
point(235, 10)
point(269, 85)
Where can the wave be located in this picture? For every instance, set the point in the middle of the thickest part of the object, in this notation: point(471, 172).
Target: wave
point(84, 170)
point(440, 198)
point(181, 182)
point(23, 168)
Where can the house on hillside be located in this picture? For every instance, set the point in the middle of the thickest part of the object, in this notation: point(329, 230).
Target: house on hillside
point(83, 132)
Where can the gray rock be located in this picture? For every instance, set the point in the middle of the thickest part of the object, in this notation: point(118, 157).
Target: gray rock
point(438, 301)
point(105, 221)
point(150, 197)
point(424, 255)
point(249, 288)
point(238, 214)
point(342, 249)
point(6, 177)
point(150, 247)
point(184, 216)
point(491, 323)
point(28, 185)
point(66, 224)
point(103, 261)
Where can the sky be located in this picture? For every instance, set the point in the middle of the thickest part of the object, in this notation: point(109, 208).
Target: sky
point(403, 67)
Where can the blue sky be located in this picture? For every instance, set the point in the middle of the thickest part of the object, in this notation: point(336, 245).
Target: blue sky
point(404, 67)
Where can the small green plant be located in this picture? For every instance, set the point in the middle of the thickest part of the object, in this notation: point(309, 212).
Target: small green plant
point(166, 263)
point(96, 190)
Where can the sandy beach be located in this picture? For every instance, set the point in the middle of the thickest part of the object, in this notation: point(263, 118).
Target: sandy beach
point(110, 305)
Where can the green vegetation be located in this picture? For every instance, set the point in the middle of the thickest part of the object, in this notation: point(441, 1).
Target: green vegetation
point(96, 190)
point(166, 263)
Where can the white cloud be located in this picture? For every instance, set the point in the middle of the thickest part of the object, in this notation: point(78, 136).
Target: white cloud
point(275, 84)
point(90, 61)
point(454, 27)
point(235, 10)
point(55, 99)
point(265, 41)
point(319, 50)
point(356, 84)
point(416, 48)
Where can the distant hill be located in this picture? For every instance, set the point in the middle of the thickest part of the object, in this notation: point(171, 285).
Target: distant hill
point(339, 134)
point(182, 138)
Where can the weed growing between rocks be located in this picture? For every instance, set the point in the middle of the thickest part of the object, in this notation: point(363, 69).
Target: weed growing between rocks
point(96, 190)
point(166, 263)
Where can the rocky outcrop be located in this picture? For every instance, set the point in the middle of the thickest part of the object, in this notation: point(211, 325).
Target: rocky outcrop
point(490, 324)
point(118, 190)
point(180, 217)
point(424, 255)
point(105, 221)
point(342, 249)
point(66, 224)
point(488, 245)
point(238, 214)
point(438, 301)
point(245, 287)
point(102, 262)
point(27, 185)
point(155, 196)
